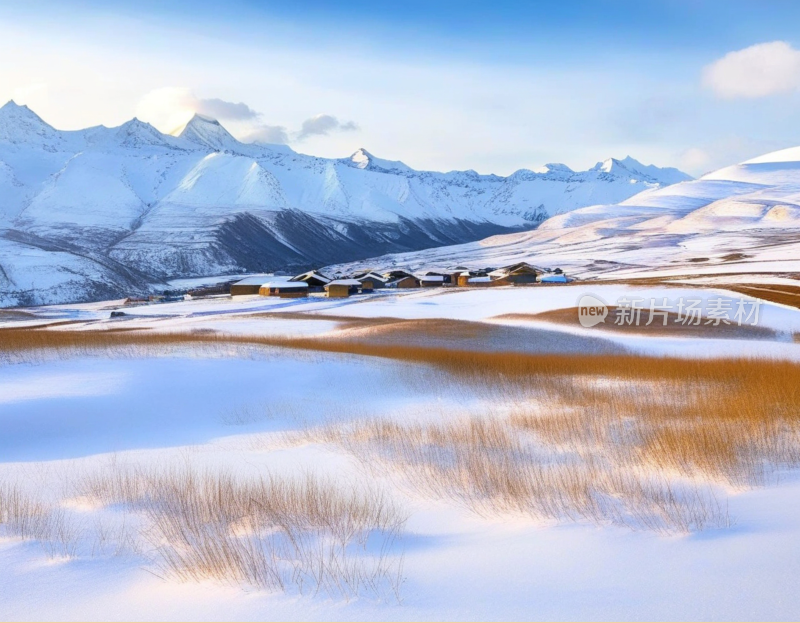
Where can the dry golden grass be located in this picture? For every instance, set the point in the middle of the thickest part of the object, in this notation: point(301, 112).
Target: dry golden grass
point(495, 466)
point(400, 330)
point(298, 534)
point(644, 442)
point(622, 438)
point(277, 533)
point(346, 321)
point(774, 293)
point(476, 365)
point(735, 431)
point(757, 397)
point(28, 518)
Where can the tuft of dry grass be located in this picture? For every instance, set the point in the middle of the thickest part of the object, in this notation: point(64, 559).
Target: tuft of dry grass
point(277, 533)
point(735, 428)
point(27, 518)
point(300, 533)
point(494, 466)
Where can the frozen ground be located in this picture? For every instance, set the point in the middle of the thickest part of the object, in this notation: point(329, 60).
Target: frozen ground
point(63, 416)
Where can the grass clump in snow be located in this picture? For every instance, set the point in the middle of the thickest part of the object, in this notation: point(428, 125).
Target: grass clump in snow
point(301, 533)
point(493, 466)
point(25, 517)
point(736, 426)
point(637, 441)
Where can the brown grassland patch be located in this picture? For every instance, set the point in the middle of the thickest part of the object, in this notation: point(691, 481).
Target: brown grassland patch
point(638, 441)
point(774, 293)
point(476, 365)
point(494, 467)
point(646, 443)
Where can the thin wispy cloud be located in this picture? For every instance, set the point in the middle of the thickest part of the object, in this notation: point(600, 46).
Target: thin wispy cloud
point(270, 134)
point(220, 109)
point(324, 125)
point(172, 107)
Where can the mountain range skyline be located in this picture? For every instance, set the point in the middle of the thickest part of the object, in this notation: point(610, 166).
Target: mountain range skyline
point(462, 88)
point(102, 212)
point(359, 152)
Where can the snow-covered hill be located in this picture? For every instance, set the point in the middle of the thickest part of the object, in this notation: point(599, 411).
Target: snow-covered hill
point(741, 219)
point(107, 211)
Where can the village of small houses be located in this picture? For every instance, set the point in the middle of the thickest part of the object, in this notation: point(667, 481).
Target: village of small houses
point(366, 281)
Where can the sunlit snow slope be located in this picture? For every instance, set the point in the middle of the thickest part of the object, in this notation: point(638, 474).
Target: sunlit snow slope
point(741, 219)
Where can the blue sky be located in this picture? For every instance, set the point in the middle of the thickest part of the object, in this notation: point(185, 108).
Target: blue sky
point(447, 85)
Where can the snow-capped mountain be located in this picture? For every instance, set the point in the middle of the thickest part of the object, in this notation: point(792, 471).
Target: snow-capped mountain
point(106, 211)
point(741, 219)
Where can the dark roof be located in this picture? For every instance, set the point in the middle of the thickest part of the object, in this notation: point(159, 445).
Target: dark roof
point(520, 268)
point(311, 275)
point(369, 276)
point(397, 274)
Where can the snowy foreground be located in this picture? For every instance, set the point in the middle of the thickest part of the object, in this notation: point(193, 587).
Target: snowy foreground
point(245, 412)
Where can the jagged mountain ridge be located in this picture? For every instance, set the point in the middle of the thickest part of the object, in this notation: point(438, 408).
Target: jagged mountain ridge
point(739, 220)
point(105, 211)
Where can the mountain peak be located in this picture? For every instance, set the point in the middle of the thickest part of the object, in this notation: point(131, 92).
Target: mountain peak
point(647, 172)
point(20, 124)
point(12, 105)
point(610, 165)
point(208, 132)
point(361, 158)
point(136, 133)
point(553, 167)
point(627, 161)
point(16, 111)
point(137, 124)
point(197, 118)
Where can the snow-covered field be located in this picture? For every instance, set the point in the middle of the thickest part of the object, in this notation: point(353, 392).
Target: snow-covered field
point(69, 419)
